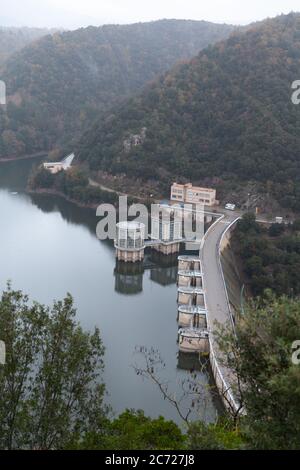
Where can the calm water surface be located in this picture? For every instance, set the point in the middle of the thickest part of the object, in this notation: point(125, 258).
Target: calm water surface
point(48, 247)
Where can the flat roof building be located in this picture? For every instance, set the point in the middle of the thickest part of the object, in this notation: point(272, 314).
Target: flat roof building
point(56, 167)
point(189, 194)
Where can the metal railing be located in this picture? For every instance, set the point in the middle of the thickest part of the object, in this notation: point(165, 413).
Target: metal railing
point(220, 381)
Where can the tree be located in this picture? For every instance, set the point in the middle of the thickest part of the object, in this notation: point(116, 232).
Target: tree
point(194, 396)
point(222, 435)
point(296, 225)
point(41, 178)
point(254, 266)
point(276, 230)
point(271, 258)
point(248, 223)
point(51, 387)
point(261, 355)
point(132, 430)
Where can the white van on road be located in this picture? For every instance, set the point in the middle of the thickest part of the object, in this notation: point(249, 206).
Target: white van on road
point(230, 207)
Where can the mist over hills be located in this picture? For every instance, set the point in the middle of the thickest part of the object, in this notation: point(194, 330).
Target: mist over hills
point(58, 85)
point(227, 114)
point(14, 39)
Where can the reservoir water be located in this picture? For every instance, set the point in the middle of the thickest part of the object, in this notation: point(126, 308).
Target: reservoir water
point(48, 247)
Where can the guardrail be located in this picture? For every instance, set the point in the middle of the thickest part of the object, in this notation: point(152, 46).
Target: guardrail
point(224, 234)
point(220, 381)
point(222, 386)
point(222, 216)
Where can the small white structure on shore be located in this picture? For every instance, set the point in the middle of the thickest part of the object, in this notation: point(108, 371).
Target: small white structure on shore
point(130, 242)
point(56, 167)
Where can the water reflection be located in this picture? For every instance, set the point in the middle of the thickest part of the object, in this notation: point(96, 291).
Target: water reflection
point(199, 373)
point(191, 362)
point(69, 212)
point(14, 175)
point(129, 278)
point(165, 275)
point(49, 247)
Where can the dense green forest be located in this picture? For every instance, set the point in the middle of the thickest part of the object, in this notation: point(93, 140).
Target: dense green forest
point(14, 39)
point(227, 114)
point(58, 85)
point(270, 256)
point(53, 392)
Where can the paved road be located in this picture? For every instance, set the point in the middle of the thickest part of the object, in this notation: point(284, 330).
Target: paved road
point(216, 297)
point(104, 188)
point(110, 190)
point(214, 285)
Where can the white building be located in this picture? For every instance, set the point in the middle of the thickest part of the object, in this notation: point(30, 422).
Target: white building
point(166, 225)
point(130, 242)
point(56, 167)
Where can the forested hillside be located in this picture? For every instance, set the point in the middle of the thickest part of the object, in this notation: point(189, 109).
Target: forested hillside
point(270, 256)
point(58, 85)
point(227, 114)
point(14, 39)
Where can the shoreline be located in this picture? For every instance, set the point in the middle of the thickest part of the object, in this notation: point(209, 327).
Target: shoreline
point(53, 192)
point(25, 157)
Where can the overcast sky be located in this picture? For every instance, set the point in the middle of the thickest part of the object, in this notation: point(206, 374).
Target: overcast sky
point(76, 13)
